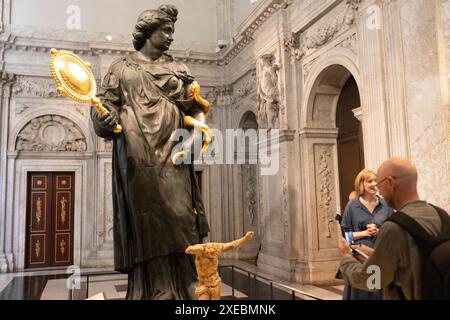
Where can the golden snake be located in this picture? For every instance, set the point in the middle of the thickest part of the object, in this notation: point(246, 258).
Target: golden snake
point(191, 122)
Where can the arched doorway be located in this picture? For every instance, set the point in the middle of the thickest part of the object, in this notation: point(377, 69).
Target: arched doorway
point(350, 139)
point(331, 83)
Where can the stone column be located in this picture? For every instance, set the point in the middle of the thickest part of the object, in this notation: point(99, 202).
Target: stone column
point(373, 95)
point(320, 257)
point(277, 223)
point(395, 79)
point(443, 16)
point(225, 19)
point(6, 83)
point(222, 229)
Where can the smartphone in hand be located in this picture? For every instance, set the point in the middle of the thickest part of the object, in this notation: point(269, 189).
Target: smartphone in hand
point(349, 236)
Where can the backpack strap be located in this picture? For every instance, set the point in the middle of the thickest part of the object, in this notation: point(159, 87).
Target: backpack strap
point(423, 239)
point(445, 221)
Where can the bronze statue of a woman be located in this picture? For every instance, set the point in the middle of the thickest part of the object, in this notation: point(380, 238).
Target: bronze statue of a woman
point(158, 210)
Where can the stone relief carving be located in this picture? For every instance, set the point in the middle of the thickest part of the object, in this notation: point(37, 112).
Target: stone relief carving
point(108, 207)
point(293, 48)
point(225, 95)
point(349, 42)
point(262, 215)
point(43, 88)
point(298, 44)
point(326, 32)
point(250, 192)
point(325, 186)
point(211, 96)
point(51, 133)
point(21, 107)
point(107, 234)
point(268, 93)
point(285, 207)
point(247, 86)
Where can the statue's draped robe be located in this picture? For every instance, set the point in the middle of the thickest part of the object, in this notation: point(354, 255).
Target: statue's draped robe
point(158, 211)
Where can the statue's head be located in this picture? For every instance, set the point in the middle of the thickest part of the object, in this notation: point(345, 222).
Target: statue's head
point(151, 20)
point(268, 59)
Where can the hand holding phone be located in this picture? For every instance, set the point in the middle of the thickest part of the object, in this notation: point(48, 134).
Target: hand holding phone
point(349, 236)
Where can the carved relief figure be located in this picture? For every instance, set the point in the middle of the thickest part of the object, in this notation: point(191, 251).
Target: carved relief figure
point(268, 95)
point(325, 192)
point(63, 210)
point(62, 246)
point(38, 210)
point(37, 248)
point(250, 193)
point(63, 136)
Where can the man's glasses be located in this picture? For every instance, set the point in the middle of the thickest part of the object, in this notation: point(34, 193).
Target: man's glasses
point(393, 177)
point(378, 183)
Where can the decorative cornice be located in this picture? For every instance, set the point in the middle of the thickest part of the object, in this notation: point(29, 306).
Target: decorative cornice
point(193, 58)
point(239, 43)
point(234, 51)
point(245, 37)
point(319, 133)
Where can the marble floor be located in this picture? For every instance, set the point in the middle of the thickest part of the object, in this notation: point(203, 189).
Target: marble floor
point(54, 284)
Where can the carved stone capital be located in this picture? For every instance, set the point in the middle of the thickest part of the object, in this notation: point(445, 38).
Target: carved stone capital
point(358, 112)
point(7, 79)
point(293, 46)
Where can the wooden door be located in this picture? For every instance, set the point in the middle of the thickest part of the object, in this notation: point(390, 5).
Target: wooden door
point(50, 216)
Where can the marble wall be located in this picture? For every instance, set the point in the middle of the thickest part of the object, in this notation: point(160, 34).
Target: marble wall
point(283, 69)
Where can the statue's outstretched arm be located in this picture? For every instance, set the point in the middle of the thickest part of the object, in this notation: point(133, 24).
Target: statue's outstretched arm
point(239, 242)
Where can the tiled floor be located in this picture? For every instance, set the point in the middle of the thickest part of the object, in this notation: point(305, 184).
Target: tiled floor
point(52, 285)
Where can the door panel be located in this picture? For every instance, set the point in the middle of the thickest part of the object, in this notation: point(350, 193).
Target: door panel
point(49, 234)
point(63, 218)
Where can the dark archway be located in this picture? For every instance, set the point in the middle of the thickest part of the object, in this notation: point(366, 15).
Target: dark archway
point(350, 139)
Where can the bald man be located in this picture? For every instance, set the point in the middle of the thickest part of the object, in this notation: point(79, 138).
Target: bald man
point(396, 255)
